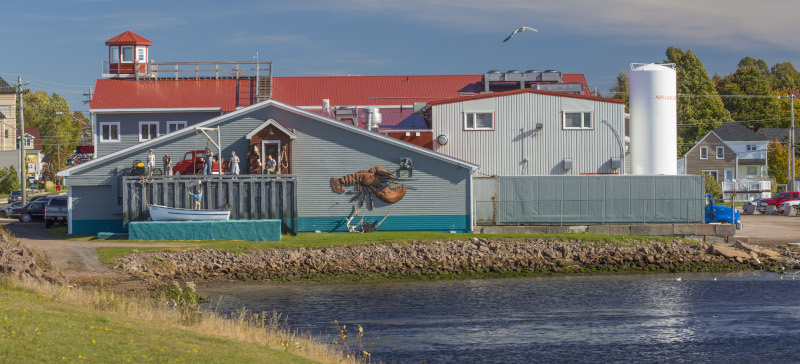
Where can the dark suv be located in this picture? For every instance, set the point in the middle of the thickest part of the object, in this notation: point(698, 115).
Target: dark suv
point(15, 196)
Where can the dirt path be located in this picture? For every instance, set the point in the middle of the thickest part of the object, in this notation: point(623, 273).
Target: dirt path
point(770, 230)
point(76, 259)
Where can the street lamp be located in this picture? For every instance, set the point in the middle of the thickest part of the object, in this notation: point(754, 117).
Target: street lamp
point(91, 129)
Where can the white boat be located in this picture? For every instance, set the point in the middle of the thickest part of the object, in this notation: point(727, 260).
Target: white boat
point(164, 213)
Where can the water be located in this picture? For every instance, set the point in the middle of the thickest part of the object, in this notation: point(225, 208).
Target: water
point(744, 317)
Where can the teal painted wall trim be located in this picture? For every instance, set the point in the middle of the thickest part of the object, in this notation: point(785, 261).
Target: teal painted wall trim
point(252, 230)
point(81, 227)
point(436, 223)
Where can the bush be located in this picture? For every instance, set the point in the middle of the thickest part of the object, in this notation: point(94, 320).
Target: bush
point(712, 186)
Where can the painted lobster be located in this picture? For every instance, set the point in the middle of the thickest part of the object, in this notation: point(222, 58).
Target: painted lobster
point(371, 182)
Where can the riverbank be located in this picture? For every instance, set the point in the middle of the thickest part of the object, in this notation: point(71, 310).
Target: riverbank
point(452, 258)
point(45, 319)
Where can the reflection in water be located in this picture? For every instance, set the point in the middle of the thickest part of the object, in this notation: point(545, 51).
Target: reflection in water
point(742, 317)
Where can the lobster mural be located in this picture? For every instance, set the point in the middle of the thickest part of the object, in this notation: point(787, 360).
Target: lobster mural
point(371, 182)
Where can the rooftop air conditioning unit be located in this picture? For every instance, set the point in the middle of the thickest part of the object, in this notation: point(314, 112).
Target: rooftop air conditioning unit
point(513, 76)
point(493, 76)
point(551, 75)
point(531, 75)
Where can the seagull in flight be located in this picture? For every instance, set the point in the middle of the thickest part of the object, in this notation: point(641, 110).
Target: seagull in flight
point(519, 30)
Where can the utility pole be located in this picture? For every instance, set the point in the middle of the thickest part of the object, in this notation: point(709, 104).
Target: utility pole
point(22, 163)
point(91, 121)
point(791, 147)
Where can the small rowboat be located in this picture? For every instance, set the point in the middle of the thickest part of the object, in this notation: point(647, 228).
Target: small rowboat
point(164, 213)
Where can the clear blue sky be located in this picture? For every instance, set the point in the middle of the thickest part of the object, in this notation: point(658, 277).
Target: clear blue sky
point(58, 45)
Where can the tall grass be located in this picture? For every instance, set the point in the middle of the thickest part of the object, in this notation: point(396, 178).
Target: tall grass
point(264, 329)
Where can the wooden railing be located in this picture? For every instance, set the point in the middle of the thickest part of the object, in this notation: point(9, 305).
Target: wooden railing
point(249, 196)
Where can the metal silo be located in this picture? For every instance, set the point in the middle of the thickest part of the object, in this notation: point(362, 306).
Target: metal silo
point(653, 124)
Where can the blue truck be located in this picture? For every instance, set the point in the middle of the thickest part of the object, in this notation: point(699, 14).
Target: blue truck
point(719, 213)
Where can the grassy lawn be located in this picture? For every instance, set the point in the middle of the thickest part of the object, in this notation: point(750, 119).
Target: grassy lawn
point(35, 328)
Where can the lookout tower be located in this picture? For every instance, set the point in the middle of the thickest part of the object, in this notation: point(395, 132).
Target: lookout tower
point(127, 54)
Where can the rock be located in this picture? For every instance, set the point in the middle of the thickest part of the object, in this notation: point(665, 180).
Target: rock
point(729, 252)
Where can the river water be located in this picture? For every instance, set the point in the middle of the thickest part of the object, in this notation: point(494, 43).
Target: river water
point(741, 317)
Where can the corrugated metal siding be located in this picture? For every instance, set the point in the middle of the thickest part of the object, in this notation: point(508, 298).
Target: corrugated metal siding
point(129, 127)
point(515, 138)
point(321, 151)
point(578, 200)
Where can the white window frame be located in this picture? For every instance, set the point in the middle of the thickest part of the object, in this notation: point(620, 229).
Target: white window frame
point(582, 127)
point(141, 54)
point(474, 114)
point(139, 131)
point(113, 54)
point(29, 142)
point(122, 54)
point(703, 149)
point(747, 171)
point(109, 123)
point(720, 152)
point(171, 123)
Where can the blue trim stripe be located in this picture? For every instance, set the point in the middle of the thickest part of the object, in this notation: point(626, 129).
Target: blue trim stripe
point(81, 227)
point(435, 223)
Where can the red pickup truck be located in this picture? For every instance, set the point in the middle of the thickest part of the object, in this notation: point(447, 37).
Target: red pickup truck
point(776, 200)
point(194, 161)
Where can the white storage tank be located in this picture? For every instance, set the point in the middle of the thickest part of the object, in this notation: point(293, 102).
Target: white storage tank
point(654, 118)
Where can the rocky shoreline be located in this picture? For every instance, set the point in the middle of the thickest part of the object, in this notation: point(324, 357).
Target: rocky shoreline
point(457, 257)
point(20, 261)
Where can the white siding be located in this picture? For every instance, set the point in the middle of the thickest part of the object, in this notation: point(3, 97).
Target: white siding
point(515, 139)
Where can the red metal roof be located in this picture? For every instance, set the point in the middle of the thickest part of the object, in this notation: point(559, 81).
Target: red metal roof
point(131, 94)
point(128, 38)
point(383, 90)
point(527, 90)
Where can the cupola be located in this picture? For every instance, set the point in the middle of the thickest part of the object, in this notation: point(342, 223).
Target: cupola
point(128, 53)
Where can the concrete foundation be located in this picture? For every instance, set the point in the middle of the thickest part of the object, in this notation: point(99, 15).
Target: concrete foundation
point(252, 230)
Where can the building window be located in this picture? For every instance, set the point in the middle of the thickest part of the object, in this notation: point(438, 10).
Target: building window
point(175, 126)
point(28, 142)
point(127, 54)
point(140, 54)
point(113, 53)
point(148, 130)
point(578, 120)
point(703, 152)
point(109, 132)
point(478, 121)
point(6, 134)
point(720, 152)
point(751, 147)
point(713, 173)
point(752, 170)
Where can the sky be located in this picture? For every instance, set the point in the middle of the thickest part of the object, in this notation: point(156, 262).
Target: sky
point(58, 45)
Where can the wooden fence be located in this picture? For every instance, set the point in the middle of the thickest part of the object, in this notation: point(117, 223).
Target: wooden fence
point(249, 196)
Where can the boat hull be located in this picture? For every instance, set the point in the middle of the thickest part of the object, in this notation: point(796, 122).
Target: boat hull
point(164, 213)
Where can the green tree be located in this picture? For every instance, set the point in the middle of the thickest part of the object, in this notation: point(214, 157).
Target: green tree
point(750, 80)
point(778, 162)
point(59, 133)
point(784, 77)
point(621, 90)
point(9, 180)
point(698, 113)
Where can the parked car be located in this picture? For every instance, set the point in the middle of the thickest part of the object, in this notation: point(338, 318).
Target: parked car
point(795, 204)
point(719, 213)
point(15, 196)
point(4, 210)
point(776, 200)
point(55, 211)
point(194, 161)
point(31, 211)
